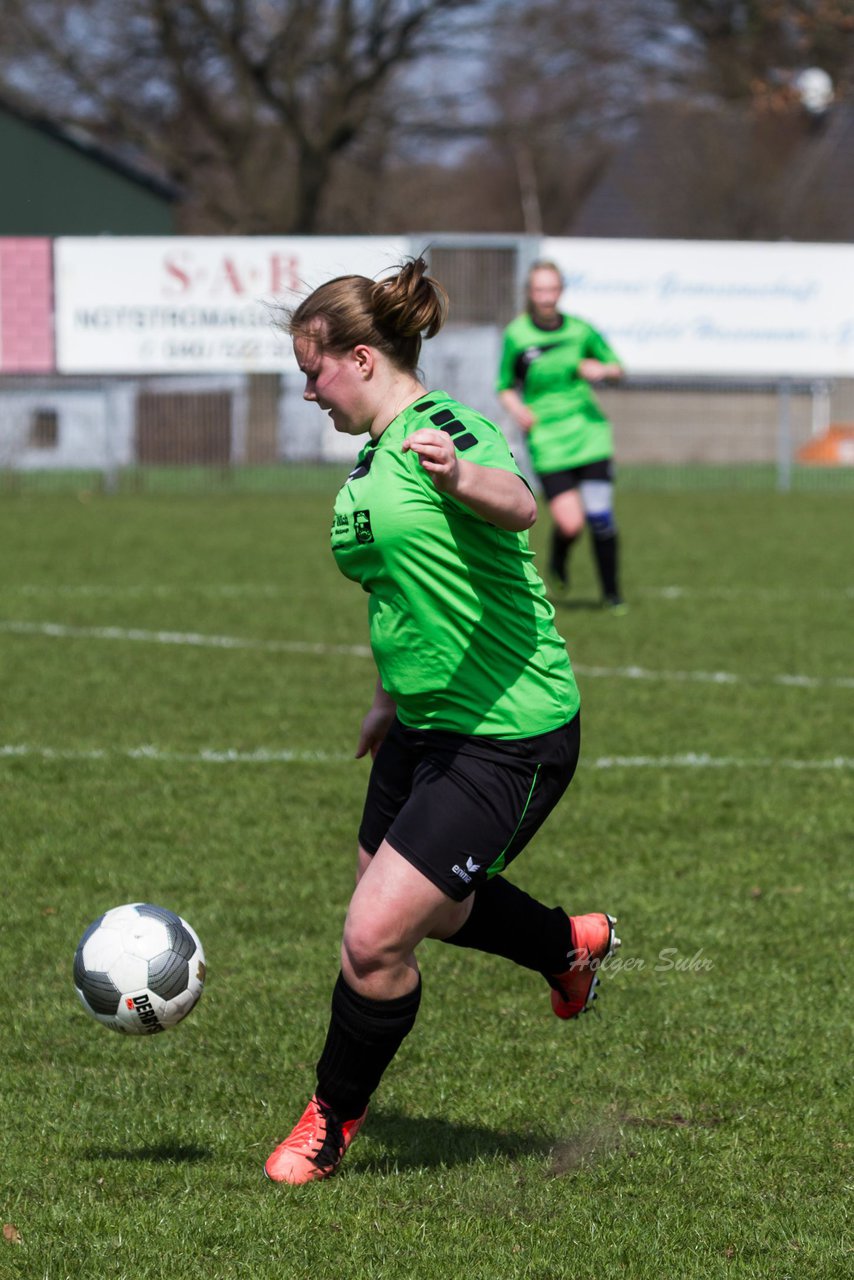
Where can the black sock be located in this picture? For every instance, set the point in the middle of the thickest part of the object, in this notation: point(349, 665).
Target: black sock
point(605, 551)
point(363, 1037)
point(559, 551)
point(506, 921)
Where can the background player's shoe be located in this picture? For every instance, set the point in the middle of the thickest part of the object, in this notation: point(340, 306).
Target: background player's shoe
point(316, 1146)
point(557, 579)
point(593, 939)
point(615, 605)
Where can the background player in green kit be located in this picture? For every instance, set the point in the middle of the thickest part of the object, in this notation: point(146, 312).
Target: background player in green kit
point(548, 362)
point(473, 728)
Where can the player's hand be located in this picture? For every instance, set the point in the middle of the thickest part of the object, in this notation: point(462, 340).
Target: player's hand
point(595, 371)
point(374, 728)
point(524, 418)
point(437, 456)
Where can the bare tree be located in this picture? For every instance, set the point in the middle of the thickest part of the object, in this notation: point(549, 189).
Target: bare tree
point(363, 115)
point(567, 83)
point(752, 49)
point(247, 104)
point(780, 152)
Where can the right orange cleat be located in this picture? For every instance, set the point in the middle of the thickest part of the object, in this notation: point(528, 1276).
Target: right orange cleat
point(593, 940)
point(316, 1146)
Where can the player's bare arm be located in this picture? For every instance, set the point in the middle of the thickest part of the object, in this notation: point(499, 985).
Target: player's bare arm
point(517, 408)
point(501, 497)
point(376, 723)
point(598, 371)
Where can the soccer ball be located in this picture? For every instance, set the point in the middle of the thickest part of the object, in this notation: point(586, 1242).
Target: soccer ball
point(139, 969)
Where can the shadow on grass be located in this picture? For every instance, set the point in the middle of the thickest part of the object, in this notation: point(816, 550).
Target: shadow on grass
point(413, 1142)
point(161, 1153)
point(563, 605)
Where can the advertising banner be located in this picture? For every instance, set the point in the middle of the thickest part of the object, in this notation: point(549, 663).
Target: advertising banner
point(715, 308)
point(194, 304)
point(670, 308)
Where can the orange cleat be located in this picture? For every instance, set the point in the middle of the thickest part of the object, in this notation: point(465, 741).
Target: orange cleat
point(316, 1146)
point(593, 940)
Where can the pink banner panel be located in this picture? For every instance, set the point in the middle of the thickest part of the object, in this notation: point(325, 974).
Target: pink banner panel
point(26, 306)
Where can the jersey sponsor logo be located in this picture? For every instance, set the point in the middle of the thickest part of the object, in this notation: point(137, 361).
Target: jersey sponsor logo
point(340, 529)
point(362, 526)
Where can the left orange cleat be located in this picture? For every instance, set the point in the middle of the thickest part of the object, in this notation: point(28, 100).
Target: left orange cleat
point(593, 939)
point(315, 1147)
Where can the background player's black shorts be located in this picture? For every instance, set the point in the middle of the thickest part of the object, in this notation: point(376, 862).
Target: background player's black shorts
point(461, 808)
point(555, 482)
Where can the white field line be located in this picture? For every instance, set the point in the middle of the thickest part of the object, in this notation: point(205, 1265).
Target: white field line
point(700, 760)
point(714, 677)
point(57, 630)
point(159, 590)
point(61, 631)
point(272, 590)
point(14, 751)
point(689, 760)
point(675, 592)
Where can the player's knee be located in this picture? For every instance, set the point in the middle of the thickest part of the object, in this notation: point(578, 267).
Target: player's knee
point(367, 948)
point(570, 528)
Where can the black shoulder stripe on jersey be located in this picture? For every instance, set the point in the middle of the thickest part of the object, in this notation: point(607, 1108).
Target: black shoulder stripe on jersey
point(443, 416)
point(464, 441)
point(422, 408)
point(446, 421)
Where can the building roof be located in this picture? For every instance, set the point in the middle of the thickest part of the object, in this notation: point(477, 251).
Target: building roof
point(135, 168)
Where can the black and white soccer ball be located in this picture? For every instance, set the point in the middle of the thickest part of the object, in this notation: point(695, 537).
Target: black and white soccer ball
point(139, 969)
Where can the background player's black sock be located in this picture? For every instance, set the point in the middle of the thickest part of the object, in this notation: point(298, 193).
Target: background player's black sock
point(506, 921)
point(605, 551)
point(363, 1037)
point(559, 550)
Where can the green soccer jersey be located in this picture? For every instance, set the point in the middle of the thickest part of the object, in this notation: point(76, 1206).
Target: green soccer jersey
point(541, 364)
point(461, 628)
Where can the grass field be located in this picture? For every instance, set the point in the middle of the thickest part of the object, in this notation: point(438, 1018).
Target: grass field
point(182, 680)
point(317, 477)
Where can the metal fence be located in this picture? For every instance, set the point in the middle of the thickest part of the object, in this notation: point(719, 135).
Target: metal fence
point(257, 432)
point(233, 430)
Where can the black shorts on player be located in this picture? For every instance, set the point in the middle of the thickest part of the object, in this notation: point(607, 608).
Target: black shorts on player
point(461, 808)
point(595, 484)
point(555, 482)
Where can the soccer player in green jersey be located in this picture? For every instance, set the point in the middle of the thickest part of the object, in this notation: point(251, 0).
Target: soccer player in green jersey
point(548, 362)
point(473, 728)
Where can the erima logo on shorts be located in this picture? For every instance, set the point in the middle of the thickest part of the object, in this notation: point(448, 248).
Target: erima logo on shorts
point(471, 868)
point(362, 526)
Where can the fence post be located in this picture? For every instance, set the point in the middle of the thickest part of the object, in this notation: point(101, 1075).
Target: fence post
point(784, 436)
point(110, 476)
